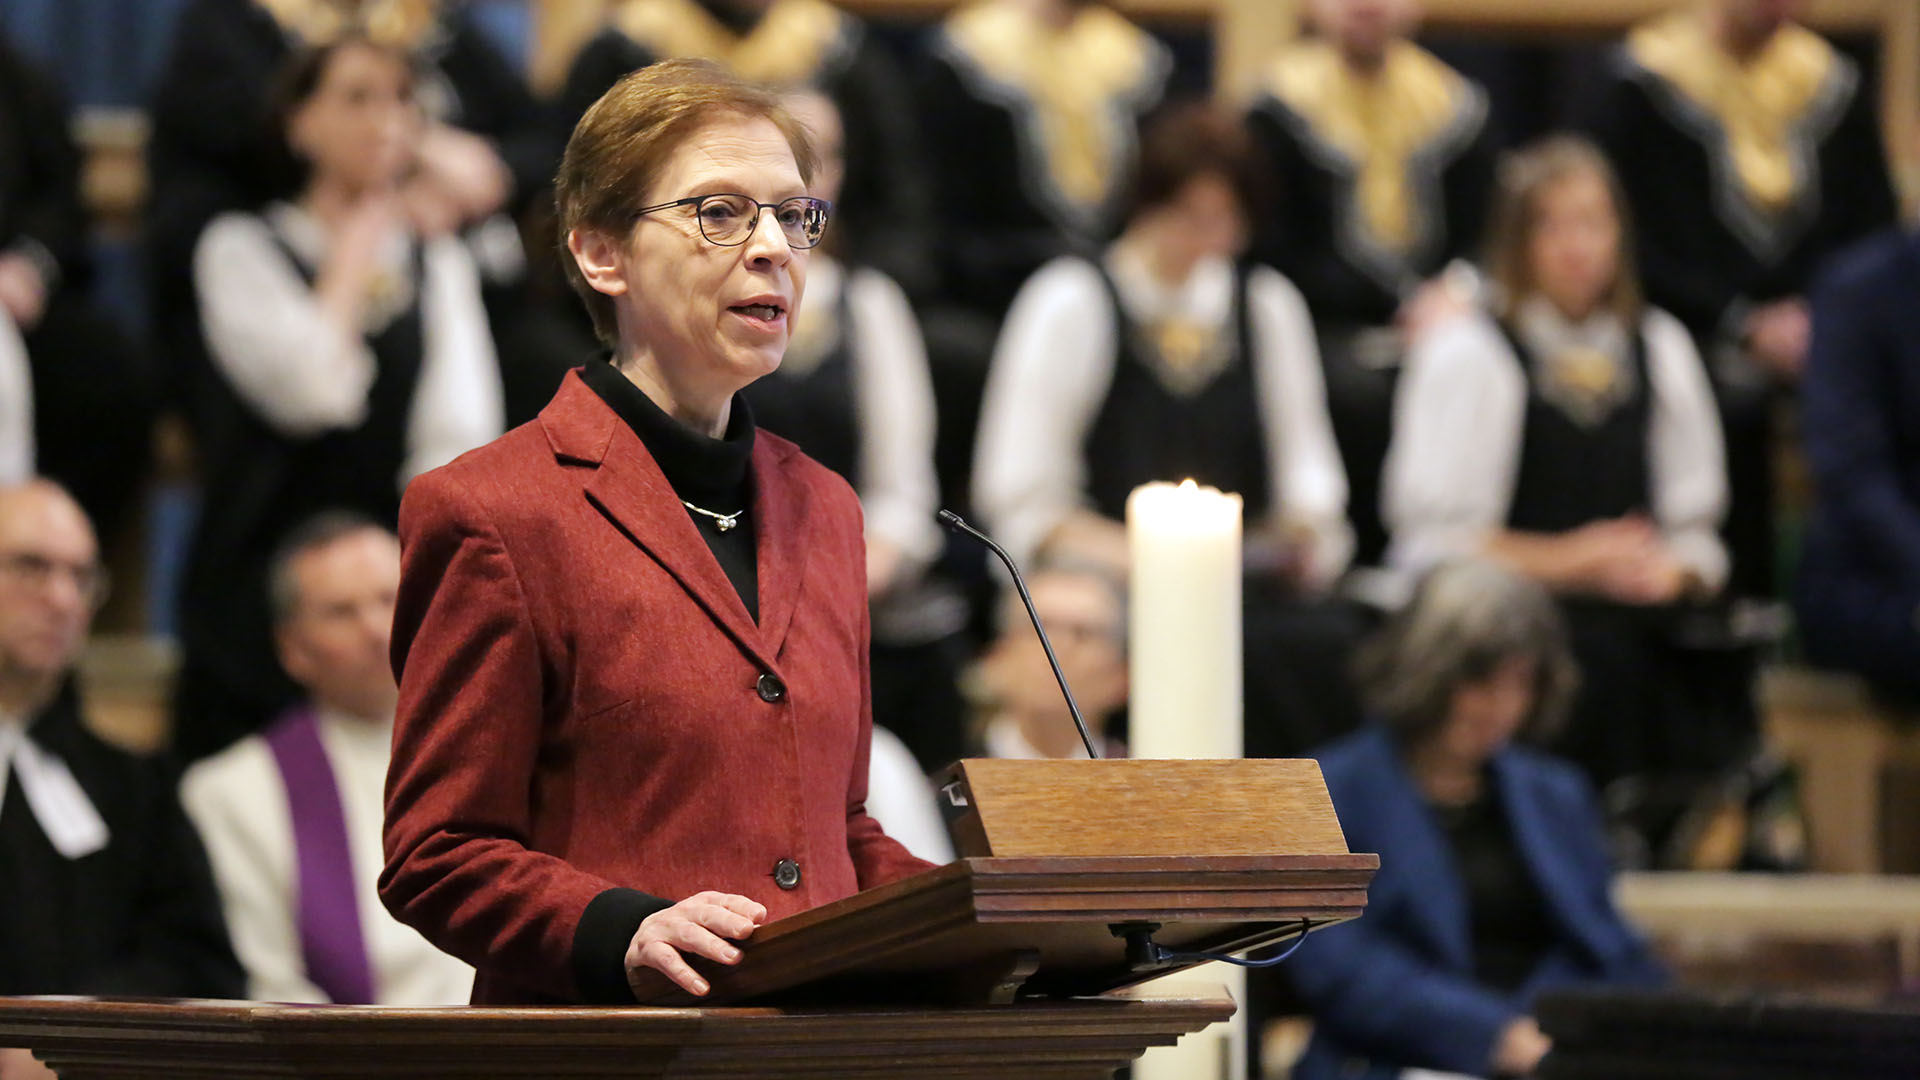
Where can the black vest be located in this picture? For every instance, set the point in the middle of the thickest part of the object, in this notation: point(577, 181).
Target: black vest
point(1571, 475)
point(1145, 431)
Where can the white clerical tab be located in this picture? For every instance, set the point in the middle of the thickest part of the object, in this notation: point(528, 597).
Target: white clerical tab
point(59, 803)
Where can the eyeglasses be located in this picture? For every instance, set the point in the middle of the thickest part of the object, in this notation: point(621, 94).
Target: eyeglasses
point(728, 220)
point(32, 571)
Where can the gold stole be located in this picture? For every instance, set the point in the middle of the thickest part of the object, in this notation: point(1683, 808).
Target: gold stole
point(1378, 124)
point(1072, 79)
point(1757, 103)
point(398, 23)
point(788, 45)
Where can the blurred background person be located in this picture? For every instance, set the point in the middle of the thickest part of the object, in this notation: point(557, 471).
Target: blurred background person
point(1166, 357)
point(106, 887)
point(291, 817)
point(1382, 157)
point(1858, 595)
point(1750, 151)
point(76, 393)
point(812, 43)
point(853, 391)
point(1020, 711)
point(1569, 433)
point(1494, 879)
point(357, 350)
point(487, 151)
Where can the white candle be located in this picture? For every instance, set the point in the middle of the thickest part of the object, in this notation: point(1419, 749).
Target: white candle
point(1185, 699)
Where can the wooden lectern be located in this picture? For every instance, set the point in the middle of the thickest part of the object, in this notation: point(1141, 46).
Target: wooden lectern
point(1015, 960)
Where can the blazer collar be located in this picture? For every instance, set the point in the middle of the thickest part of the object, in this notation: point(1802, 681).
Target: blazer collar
point(629, 488)
point(1556, 873)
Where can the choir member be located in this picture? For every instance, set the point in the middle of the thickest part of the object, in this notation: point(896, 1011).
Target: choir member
point(1034, 108)
point(1383, 161)
point(1569, 433)
point(76, 395)
point(652, 614)
point(291, 817)
point(854, 392)
point(487, 151)
point(1858, 595)
point(1494, 876)
point(793, 42)
point(357, 351)
point(1750, 152)
point(1164, 357)
point(106, 885)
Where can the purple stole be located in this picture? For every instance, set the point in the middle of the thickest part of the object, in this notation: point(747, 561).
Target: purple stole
point(328, 910)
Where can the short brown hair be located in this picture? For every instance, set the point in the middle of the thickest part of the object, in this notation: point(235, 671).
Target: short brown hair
point(1188, 139)
point(625, 138)
point(1516, 212)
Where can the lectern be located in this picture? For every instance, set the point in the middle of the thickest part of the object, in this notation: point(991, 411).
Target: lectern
point(1023, 958)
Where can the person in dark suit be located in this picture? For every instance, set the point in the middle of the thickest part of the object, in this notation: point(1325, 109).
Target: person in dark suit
point(106, 888)
point(648, 618)
point(1493, 882)
point(1859, 584)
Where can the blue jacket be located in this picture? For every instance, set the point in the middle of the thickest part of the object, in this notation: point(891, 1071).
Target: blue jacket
point(1394, 989)
point(1859, 582)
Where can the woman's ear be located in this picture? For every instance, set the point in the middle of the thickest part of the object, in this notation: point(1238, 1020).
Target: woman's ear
point(600, 260)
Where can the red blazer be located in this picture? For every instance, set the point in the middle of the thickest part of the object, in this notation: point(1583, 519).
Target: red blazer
point(584, 700)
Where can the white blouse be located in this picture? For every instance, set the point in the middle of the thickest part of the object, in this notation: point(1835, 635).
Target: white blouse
point(1055, 362)
point(238, 802)
point(291, 364)
point(893, 397)
point(1459, 419)
point(16, 406)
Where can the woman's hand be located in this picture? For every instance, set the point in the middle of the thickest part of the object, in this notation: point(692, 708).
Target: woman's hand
point(22, 1065)
point(1521, 1047)
point(697, 925)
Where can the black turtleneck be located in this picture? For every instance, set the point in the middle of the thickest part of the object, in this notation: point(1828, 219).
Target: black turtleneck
point(709, 473)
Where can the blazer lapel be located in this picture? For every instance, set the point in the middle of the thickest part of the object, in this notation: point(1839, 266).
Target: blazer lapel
point(1557, 880)
point(1426, 860)
point(629, 488)
point(781, 504)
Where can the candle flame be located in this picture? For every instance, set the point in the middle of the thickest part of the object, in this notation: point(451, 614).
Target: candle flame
point(1189, 485)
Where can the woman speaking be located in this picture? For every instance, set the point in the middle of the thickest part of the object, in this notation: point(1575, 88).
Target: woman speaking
point(631, 636)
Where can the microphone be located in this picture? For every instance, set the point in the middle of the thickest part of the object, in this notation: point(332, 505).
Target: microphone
point(953, 521)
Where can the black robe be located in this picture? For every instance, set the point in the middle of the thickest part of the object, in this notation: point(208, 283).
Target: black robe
point(1316, 233)
point(141, 916)
point(1003, 210)
point(881, 217)
point(93, 393)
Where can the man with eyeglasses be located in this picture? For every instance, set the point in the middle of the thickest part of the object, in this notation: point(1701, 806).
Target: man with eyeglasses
point(104, 888)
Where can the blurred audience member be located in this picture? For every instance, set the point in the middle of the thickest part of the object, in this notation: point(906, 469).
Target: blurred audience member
point(1164, 358)
point(106, 887)
point(1494, 882)
point(1384, 162)
point(1022, 712)
point(1569, 433)
point(486, 150)
point(1750, 151)
point(1859, 590)
point(291, 817)
point(812, 43)
point(76, 396)
point(358, 352)
point(1033, 106)
point(854, 392)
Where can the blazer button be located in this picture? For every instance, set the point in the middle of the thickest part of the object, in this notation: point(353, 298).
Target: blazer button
point(786, 874)
point(771, 690)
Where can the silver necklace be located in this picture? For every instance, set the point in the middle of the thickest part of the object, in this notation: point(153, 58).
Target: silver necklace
point(723, 522)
